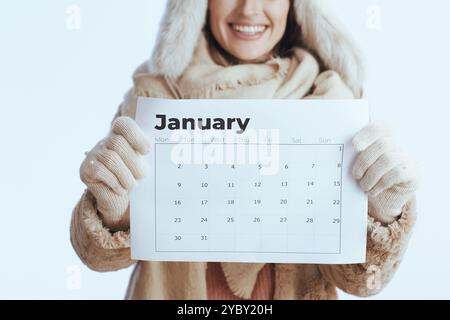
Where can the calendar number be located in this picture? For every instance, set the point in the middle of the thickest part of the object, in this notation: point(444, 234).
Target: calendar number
point(309, 220)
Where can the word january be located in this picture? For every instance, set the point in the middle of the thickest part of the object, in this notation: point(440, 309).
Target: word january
point(202, 124)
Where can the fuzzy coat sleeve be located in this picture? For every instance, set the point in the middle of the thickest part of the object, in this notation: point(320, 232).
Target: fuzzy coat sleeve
point(386, 245)
point(98, 247)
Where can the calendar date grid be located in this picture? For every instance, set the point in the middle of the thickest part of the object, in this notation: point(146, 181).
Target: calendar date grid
point(258, 201)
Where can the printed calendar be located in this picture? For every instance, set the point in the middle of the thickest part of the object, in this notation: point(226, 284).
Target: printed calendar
point(250, 181)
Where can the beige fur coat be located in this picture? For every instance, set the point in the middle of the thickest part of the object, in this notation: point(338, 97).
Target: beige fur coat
point(107, 250)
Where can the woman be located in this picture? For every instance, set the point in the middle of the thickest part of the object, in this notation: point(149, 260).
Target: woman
point(261, 49)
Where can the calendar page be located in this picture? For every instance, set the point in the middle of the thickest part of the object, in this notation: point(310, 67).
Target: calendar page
point(250, 181)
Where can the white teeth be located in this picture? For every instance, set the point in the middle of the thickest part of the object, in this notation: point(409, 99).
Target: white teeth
point(249, 29)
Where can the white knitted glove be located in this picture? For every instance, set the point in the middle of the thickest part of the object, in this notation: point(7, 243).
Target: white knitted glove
point(384, 171)
point(111, 169)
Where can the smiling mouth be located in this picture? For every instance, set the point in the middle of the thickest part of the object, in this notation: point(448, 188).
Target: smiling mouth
point(249, 30)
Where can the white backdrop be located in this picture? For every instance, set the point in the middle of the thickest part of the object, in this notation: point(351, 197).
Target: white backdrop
point(61, 82)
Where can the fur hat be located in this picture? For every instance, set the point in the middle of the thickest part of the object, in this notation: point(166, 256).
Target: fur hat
point(322, 34)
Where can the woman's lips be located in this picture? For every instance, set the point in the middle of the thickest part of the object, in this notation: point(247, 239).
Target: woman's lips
point(248, 31)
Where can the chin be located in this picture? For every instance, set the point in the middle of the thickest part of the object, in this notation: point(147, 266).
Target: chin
point(244, 55)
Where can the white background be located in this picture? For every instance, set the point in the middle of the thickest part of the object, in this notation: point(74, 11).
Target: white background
point(59, 89)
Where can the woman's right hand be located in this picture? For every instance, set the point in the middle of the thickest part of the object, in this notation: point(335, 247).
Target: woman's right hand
point(112, 168)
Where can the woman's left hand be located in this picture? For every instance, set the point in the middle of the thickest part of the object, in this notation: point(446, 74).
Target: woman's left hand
point(384, 171)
